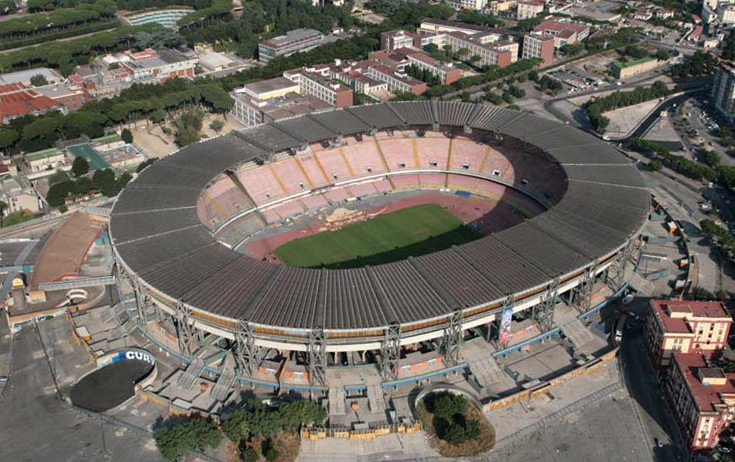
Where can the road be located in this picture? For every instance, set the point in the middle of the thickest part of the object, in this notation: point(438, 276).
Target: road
point(38, 427)
point(644, 389)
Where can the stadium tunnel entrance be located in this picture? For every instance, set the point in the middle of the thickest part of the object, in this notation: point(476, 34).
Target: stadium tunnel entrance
point(118, 377)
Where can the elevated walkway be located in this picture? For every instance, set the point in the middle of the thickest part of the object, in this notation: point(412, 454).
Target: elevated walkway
point(376, 398)
point(226, 380)
point(191, 374)
point(581, 337)
point(337, 401)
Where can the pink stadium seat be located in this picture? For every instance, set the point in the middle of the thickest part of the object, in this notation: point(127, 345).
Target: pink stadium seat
point(334, 165)
point(360, 190)
point(261, 184)
point(313, 170)
point(433, 150)
point(314, 201)
point(490, 189)
point(405, 181)
point(291, 176)
point(364, 156)
point(467, 152)
point(270, 216)
point(289, 209)
point(497, 164)
point(383, 186)
point(220, 201)
point(336, 195)
point(462, 182)
point(398, 153)
point(433, 179)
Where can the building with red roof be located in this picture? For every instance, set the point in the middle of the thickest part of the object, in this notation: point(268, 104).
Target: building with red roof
point(701, 397)
point(685, 326)
point(563, 33)
point(17, 100)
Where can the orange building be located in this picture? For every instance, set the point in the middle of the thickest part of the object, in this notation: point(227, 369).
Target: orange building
point(685, 326)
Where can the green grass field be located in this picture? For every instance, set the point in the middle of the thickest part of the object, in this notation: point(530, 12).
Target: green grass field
point(394, 236)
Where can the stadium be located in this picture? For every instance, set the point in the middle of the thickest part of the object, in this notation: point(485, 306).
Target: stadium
point(189, 233)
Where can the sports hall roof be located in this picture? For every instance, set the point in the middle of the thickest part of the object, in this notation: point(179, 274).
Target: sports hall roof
point(157, 234)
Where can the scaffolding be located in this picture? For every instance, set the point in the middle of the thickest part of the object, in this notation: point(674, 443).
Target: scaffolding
point(248, 355)
point(543, 313)
point(452, 340)
point(390, 352)
point(317, 350)
point(184, 330)
point(581, 296)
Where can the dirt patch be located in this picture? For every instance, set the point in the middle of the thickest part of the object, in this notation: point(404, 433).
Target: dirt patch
point(287, 445)
point(157, 144)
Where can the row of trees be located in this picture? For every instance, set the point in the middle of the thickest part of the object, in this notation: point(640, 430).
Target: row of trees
point(490, 75)
point(152, 102)
point(698, 64)
point(719, 236)
point(66, 55)
point(252, 420)
point(597, 107)
point(64, 22)
point(723, 174)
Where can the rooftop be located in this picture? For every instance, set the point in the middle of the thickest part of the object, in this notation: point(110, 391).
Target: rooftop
point(635, 62)
point(292, 36)
point(266, 86)
point(673, 314)
point(561, 26)
point(38, 155)
point(705, 396)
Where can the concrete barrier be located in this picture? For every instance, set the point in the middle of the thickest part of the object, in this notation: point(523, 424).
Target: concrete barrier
point(546, 387)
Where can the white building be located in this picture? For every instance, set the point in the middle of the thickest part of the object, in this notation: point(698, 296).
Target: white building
point(723, 90)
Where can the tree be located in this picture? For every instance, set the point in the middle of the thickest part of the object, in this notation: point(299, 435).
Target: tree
point(126, 135)
point(446, 405)
point(38, 80)
point(217, 125)
point(57, 193)
point(59, 176)
point(80, 166)
point(3, 207)
point(182, 437)
point(8, 137)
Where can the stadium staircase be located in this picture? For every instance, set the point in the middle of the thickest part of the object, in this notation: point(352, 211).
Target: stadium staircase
point(191, 374)
point(581, 337)
point(376, 399)
point(336, 401)
point(486, 370)
point(226, 380)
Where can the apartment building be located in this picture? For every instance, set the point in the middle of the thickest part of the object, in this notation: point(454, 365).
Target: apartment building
point(294, 41)
point(537, 46)
point(563, 33)
point(447, 73)
point(467, 4)
point(701, 397)
point(397, 81)
point(528, 9)
point(325, 89)
point(686, 327)
point(723, 90)
point(392, 40)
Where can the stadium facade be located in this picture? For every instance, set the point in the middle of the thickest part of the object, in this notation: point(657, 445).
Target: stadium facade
point(181, 271)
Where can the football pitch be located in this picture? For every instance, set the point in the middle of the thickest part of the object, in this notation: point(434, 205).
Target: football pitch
point(394, 236)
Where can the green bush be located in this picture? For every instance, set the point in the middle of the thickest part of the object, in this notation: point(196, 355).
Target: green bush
point(185, 436)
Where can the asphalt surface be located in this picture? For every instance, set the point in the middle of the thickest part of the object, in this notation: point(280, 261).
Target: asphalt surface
point(110, 386)
point(37, 426)
point(647, 395)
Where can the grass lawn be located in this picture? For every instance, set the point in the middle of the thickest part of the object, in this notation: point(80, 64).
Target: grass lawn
point(390, 237)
